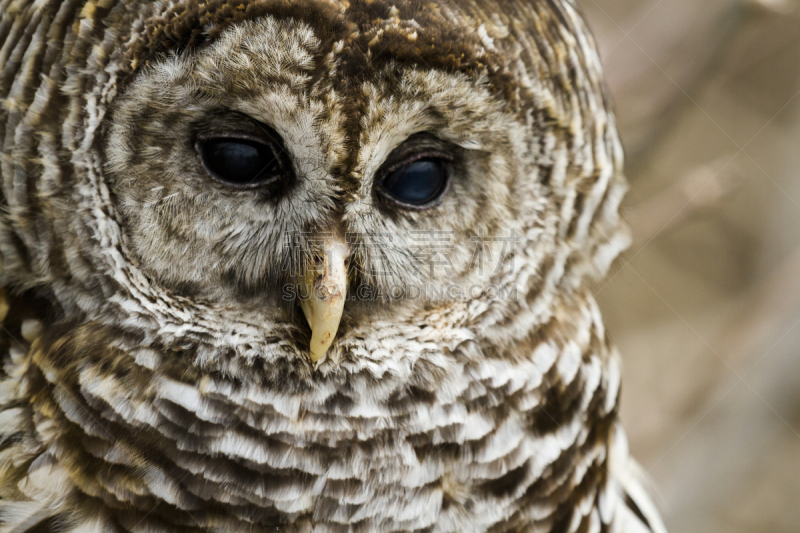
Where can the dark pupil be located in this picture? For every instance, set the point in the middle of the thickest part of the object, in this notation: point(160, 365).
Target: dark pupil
point(418, 183)
point(240, 161)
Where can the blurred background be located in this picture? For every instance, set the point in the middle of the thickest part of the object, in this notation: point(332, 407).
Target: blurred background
point(705, 306)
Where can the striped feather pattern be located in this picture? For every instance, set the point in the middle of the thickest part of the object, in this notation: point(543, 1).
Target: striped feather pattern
point(129, 405)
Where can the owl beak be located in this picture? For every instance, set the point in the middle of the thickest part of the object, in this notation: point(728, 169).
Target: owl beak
point(324, 293)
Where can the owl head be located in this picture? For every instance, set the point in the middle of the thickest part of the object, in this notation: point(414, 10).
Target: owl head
point(263, 187)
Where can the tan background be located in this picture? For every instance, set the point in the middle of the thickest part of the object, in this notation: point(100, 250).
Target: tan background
point(705, 307)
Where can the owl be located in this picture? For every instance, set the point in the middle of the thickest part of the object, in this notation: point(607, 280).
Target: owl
point(309, 265)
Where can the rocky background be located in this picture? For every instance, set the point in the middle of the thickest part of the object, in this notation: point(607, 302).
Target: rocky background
point(705, 307)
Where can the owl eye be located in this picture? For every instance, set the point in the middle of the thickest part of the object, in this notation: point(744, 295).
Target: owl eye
point(243, 163)
point(419, 183)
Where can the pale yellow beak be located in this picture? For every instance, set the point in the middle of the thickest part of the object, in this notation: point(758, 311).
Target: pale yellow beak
point(323, 295)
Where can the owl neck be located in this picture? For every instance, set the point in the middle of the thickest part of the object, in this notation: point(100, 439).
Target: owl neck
point(470, 432)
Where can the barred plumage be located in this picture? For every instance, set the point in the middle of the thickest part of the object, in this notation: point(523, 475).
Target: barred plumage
point(156, 377)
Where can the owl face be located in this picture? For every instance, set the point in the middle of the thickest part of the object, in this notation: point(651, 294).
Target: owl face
point(236, 167)
point(244, 177)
